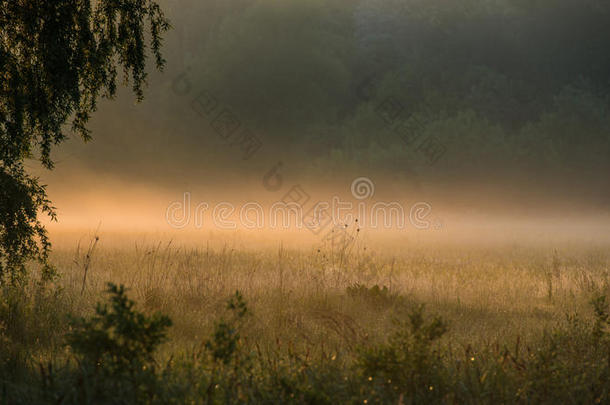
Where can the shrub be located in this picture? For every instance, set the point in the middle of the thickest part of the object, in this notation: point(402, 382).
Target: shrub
point(407, 364)
point(114, 349)
point(224, 341)
point(375, 295)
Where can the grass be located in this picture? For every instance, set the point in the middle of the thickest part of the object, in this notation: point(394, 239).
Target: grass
point(508, 324)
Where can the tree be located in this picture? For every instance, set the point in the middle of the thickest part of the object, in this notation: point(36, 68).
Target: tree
point(57, 58)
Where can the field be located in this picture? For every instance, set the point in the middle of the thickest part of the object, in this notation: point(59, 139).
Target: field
point(501, 323)
point(304, 202)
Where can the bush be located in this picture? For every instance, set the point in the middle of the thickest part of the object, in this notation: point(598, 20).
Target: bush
point(115, 348)
point(375, 295)
point(407, 364)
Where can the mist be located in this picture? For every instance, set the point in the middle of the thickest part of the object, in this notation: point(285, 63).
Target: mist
point(493, 113)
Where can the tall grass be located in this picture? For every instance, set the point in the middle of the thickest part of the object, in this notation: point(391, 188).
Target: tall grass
point(504, 325)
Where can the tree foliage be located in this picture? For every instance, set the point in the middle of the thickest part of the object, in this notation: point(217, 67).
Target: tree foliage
point(505, 85)
point(57, 58)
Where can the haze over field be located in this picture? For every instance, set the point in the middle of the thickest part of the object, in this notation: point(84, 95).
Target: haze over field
point(487, 111)
point(315, 202)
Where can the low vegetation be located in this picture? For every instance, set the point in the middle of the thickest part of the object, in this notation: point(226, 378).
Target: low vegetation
point(343, 337)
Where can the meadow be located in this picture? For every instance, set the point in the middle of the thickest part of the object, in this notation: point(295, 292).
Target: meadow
point(452, 322)
point(484, 123)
